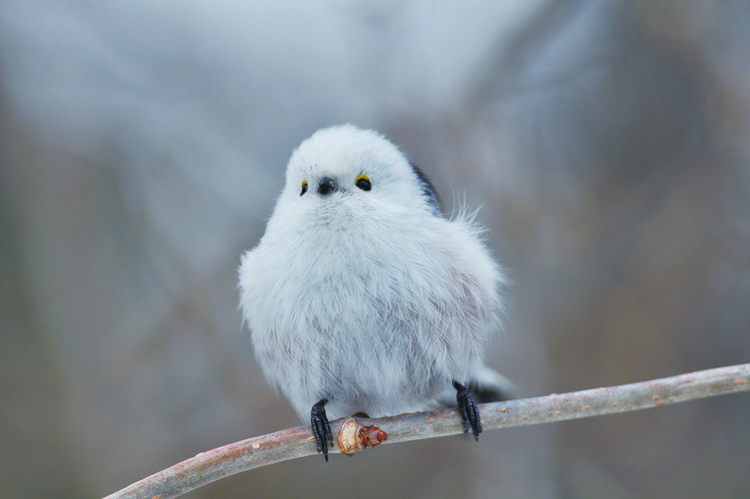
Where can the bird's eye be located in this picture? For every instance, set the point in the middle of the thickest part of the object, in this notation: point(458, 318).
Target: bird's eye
point(304, 187)
point(363, 182)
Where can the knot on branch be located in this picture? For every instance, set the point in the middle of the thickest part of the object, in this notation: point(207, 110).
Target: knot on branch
point(354, 437)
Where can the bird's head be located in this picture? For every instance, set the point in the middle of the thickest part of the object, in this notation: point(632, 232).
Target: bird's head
point(347, 168)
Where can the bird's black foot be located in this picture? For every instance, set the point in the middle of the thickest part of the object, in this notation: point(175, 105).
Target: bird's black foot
point(469, 410)
point(320, 427)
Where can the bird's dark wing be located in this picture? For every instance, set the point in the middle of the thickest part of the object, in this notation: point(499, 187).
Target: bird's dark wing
point(428, 190)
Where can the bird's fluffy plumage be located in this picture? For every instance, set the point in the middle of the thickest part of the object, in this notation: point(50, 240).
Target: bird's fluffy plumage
point(367, 298)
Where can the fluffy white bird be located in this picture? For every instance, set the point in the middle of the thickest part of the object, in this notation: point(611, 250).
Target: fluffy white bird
point(361, 296)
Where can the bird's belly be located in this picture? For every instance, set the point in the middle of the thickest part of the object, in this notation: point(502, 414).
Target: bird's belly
point(365, 330)
point(371, 348)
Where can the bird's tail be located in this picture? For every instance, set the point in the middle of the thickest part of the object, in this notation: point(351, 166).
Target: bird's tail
point(486, 385)
point(490, 386)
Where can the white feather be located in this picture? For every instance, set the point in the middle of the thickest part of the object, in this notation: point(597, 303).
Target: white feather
point(366, 298)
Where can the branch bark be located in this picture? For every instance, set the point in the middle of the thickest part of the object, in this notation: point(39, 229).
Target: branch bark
point(292, 443)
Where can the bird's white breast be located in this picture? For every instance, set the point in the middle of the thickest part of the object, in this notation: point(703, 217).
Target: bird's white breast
point(376, 310)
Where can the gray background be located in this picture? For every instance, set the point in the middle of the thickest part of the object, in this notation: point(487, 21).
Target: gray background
point(143, 144)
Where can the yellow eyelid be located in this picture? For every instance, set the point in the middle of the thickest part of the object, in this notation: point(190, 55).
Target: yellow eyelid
point(362, 177)
point(304, 183)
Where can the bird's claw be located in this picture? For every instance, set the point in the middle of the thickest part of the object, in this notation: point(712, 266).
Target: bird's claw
point(469, 410)
point(321, 428)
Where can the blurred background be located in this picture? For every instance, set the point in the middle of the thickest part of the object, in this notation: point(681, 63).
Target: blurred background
point(142, 145)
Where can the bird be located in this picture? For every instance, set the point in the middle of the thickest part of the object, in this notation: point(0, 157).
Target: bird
point(363, 297)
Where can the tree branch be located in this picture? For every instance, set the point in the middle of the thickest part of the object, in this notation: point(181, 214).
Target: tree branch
point(297, 442)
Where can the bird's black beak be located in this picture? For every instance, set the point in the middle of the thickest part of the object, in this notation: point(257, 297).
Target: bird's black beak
point(326, 186)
